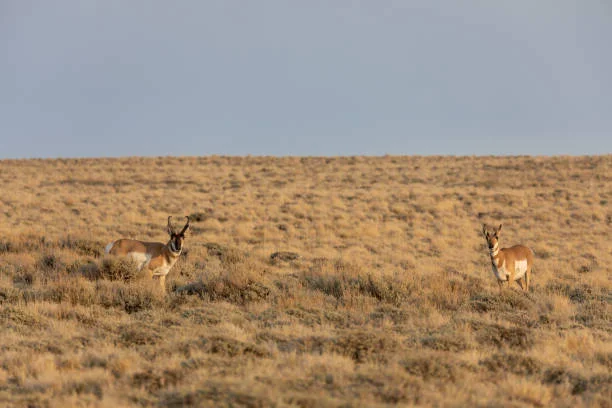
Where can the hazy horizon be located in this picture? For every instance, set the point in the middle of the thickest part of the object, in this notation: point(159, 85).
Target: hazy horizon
point(119, 157)
point(276, 78)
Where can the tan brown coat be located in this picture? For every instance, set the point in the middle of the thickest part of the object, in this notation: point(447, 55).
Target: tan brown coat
point(155, 258)
point(512, 264)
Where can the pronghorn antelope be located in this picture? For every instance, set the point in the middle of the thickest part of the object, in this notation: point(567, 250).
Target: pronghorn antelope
point(509, 264)
point(154, 257)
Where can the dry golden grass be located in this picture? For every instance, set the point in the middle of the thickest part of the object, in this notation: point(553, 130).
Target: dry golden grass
point(391, 299)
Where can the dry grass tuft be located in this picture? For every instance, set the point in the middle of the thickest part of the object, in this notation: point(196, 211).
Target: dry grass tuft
point(511, 362)
point(502, 336)
point(112, 268)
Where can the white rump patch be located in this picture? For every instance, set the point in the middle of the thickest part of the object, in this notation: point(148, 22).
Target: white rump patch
point(108, 248)
point(520, 267)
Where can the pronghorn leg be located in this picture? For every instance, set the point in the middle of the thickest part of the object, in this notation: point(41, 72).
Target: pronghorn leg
point(527, 279)
point(161, 279)
point(500, 283)
point(520, 283)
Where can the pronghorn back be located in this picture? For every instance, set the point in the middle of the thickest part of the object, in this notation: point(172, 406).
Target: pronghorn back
point(124, 246)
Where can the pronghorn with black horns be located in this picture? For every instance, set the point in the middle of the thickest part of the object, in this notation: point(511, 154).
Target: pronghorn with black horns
point(509, 264)
point(154, 257)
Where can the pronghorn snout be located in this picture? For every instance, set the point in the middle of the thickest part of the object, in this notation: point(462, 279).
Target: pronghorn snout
point(178, 244)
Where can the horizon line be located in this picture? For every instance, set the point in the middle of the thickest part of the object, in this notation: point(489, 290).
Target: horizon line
point(213, 155)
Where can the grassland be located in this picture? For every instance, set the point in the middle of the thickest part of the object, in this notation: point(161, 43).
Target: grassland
point(391, 299)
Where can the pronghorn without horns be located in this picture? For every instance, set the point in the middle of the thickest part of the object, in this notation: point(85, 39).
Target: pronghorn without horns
point(509, 264)
point(155, 258)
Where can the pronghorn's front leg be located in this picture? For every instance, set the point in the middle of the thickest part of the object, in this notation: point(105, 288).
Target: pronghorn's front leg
point(162, 281)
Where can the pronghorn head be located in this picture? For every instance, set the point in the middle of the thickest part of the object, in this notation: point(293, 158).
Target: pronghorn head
point(492, 237)
point(176, 239)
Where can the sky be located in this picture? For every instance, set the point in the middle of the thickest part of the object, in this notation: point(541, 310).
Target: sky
point(118, 78)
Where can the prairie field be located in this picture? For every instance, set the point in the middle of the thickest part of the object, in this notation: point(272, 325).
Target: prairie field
point(307, 282)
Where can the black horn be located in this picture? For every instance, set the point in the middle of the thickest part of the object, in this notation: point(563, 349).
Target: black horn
point(185, 227)
point(170, 229)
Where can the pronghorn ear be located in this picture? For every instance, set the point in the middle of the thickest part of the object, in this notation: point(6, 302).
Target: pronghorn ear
point(484, 230)
point(499, 228)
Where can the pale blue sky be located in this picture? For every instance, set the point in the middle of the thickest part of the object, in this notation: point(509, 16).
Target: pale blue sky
point(140, 78)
